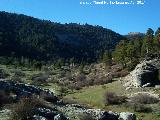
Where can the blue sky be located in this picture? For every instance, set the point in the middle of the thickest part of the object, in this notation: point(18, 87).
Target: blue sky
point(119, 18)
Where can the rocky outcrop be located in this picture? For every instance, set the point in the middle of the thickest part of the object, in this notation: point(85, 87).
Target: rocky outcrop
point(73, 111)
point(25, 90)
point(127, 116)
point(145, 74)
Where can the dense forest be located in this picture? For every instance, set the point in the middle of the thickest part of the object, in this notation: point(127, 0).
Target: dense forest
point(27, 39)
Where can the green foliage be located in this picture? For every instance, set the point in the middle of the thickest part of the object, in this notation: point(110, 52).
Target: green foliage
point(28, 39)
point(120, 52)
point(128, 53)
point(107, 58)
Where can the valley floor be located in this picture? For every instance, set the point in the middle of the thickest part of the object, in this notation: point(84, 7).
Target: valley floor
point(94, 97)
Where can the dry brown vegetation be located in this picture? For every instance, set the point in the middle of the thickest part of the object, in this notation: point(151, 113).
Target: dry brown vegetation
point(111, 98)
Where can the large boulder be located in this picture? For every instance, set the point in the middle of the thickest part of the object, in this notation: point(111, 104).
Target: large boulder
point(145, 74)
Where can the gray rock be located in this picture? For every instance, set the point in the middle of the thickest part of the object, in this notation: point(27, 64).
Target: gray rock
point(127, 116)
point(25, 90)
point(37, 117)
point(74, 110)
point(59, 117)
point(146, 72)
point(157, 86)
point(146, 85)
point(4, 114)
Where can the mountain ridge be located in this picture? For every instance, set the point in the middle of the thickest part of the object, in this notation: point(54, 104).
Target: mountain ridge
point(22, 35)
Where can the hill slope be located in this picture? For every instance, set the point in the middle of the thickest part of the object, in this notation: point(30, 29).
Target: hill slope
point(32, 38)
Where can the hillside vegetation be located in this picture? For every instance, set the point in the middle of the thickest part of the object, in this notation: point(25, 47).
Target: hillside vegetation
point(47, 41)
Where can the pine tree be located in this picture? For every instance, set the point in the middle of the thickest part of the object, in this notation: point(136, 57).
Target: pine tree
point(149, 40)
point(120, 53)
point(107, 58)
point(156, 41)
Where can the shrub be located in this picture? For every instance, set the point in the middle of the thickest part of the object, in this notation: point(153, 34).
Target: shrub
point(40, 78)
point(63, 91)
point(142, 108)
point(138, 107)
point(19, 73)
point(102, 80)
point(48, 98)
point(112, 98)
point(3, 73)
point(74, 86)
point(80, 77)
point(103, 87)
point(144, 98)
point(25, 108)
point(16, 79)
point(119, 74)
point(69, 101)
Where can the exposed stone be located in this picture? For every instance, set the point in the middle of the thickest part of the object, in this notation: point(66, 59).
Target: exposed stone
point(127, 116)
point(73, 110)
point(147, 85)
point(25, 90)
point(157, 86)
point(60, 117)
point(145, 74)
point(4, 114)
point(37, 117)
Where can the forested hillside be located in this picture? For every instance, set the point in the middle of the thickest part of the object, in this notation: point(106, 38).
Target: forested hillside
point(23, 37)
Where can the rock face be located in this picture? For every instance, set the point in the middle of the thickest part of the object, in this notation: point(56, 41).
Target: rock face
point(145, 74)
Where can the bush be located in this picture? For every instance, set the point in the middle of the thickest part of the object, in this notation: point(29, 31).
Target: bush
point(19, 73)
point(103, 87)
point(81, 77)
point(74, 86)
point(142, 108)
point(40, 78)
point(118, 74)
point(102, 80)
point(48, 98)
point(112, 98)
point(25, 108)
point(3, 73)
point(16, 79)
point(69, 101)
point(144, 98)
point(63, 91)
point(138, 107)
